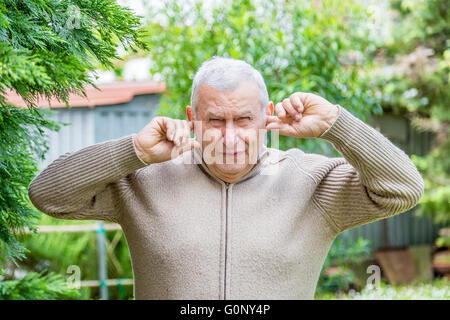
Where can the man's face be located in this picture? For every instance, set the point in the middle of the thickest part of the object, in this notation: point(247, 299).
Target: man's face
point(232, 125)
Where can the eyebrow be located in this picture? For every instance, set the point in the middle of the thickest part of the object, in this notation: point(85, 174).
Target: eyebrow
point(210, 114)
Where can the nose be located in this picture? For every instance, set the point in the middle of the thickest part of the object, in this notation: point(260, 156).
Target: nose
point(230, 138)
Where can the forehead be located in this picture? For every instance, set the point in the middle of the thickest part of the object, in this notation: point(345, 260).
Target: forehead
point(244, 99)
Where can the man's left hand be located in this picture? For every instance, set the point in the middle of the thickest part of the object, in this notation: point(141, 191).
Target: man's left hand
point(303, 115)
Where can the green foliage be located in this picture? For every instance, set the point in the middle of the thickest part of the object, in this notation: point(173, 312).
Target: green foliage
point(21, 142)
point(47, 49)
point(413, 76)
point(435, 168)
point(439, 289)
point(343, 252)
point(36, 286)
point(296, 46)
point(443, 242)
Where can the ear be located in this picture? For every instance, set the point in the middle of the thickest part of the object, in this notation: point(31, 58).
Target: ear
point(190, 115)
point(269, 109)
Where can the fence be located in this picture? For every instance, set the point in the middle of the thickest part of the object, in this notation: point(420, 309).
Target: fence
point(104, 248)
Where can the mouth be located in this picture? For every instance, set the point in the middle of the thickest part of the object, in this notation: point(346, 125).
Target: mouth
point(232, 154)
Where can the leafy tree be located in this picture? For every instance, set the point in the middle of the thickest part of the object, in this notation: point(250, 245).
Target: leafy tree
point(308, 46)
point(48, 48)
point(413, 75)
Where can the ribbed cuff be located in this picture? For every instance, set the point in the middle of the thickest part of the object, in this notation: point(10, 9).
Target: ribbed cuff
point(135, 151)
point(124, 156)
point(340, 132)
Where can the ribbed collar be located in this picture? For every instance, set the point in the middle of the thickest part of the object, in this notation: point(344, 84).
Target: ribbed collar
point(263, 154)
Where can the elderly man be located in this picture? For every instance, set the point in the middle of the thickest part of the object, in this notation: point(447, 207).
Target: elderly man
point(243, 221)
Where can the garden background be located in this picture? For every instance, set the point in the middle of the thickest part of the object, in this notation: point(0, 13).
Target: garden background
point(385, 61)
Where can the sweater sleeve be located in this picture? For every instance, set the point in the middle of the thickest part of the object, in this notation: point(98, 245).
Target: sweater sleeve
point(374, 180)
point(87, 184)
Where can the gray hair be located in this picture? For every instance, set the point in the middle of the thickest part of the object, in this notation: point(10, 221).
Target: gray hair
point(225, 74)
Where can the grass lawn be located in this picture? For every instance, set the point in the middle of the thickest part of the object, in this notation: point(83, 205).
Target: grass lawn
point(439, 289)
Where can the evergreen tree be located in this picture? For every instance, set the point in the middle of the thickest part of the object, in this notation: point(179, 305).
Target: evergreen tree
point(48, 49)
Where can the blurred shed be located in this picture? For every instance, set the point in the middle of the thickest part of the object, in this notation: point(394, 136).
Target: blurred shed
point(118, 109)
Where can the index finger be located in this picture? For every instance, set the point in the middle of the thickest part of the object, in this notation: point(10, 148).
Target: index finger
point(272, 119)
point(296, 102)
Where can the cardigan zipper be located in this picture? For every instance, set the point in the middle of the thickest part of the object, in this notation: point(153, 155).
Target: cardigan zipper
point(227, 185)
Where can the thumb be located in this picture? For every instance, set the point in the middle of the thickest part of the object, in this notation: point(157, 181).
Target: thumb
point(274, 126)
point(191, 144)
point(182, 148)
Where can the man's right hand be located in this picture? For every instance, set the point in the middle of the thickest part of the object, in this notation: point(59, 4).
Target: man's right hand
point(163, 139)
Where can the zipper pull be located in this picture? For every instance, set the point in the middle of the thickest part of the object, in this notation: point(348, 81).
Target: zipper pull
point(227, 185)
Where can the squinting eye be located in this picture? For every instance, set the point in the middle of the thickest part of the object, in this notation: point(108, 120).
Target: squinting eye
point(244, 118)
